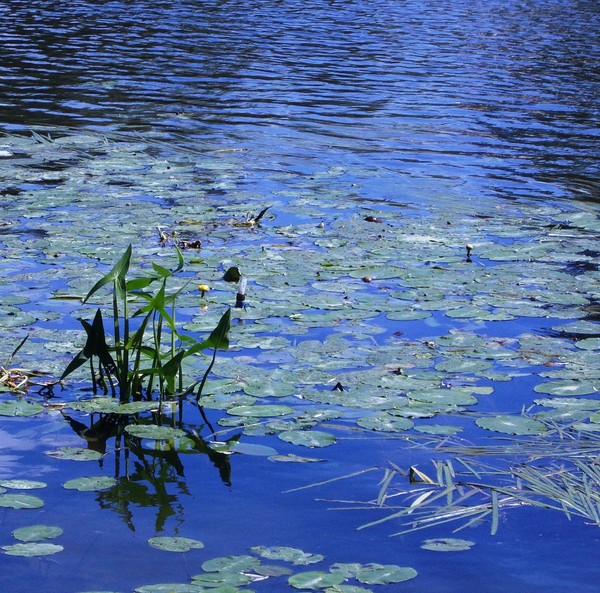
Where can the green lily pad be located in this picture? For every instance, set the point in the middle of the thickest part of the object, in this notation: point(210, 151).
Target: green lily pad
point(20, 501)
point(240, 564)
point(138, 407)
point(256, 411)
point(175, 543)
point(154, 432)
point(519, 425)
point(579, 327)
point(385, 422)
point(75, 454)
point(348, 589)
point(23, 484)
point(220, 579)
point(588, 344)
point(243, 448)
point(315, 580)
point(379, 574)
point(273, 571)
point(96, 405)
point(291, 458)
point(567, 387)
point(442, 396)
point(169, 588)
point(586, 426)
point(307, 438)
point(463, 365)
point(90, 484)
point(269, 389)
point(34, 533)
point(19, 407)
point(293, 555)
point(32, 549)
point(438, 429)
point(447, 544)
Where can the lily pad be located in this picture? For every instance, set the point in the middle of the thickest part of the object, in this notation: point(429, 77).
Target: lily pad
point(380, 574)
point(96, 405)
point(75, 454)
point(138, 407)
point(20, 501)
point(385, 422)
point(567, 387)
point(256, 411)
point(291, 458)
point(588, 344)
point(463, 365)
point(175, 543)
point(447, 544)
point(90, 484)
point(154, 432)
point(23, 484)
point(315, 580)
point(438, 429)
point(348, 589)
point(32, 549)
point(243, 448)
point(220, 579)
point(293, 555)
point(19, 407)
point(307, 438)
point(34, 533)
point(518, 425)
point(169, 588)
point(239, 564)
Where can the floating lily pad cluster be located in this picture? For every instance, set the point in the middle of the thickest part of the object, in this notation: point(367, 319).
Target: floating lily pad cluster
point(31, 539)
point(387, 305)
point(230, 573)
point(373, 315)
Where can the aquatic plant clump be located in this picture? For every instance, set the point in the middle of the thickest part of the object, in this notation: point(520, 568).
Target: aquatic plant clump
point(147, 359)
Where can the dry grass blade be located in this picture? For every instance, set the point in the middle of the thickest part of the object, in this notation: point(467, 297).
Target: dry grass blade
point(314, 484)
point(389, 476)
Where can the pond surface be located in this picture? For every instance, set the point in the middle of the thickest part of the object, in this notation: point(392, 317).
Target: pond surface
point(384, 137)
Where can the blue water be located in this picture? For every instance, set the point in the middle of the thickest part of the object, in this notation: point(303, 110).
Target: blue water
point(419, 99)
point(414, 102)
